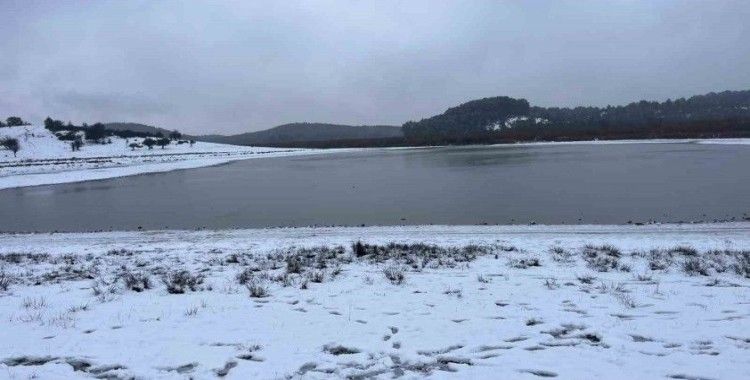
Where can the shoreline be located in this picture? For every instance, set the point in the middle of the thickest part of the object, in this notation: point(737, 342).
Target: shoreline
point(125, 170)
point(407, 232)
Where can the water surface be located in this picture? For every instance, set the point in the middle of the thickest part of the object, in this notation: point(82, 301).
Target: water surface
point(598, 184)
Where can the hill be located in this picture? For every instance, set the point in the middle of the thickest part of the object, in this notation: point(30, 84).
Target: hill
point(310, 134)
point(504, 119)
point(44, 158)
point(136, 127)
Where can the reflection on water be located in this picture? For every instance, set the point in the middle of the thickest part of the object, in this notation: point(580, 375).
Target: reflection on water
point(455, 185)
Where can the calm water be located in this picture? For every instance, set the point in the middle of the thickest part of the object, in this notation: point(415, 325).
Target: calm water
point(458, 185)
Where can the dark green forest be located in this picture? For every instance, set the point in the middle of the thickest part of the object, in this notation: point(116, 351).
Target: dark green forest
point(504, 119)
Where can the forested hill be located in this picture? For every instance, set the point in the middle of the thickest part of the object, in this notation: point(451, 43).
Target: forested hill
point(504, 119)
point(137, 127)
point(312, 134)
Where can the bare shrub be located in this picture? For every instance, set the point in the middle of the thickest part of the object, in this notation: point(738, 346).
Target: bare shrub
point(561, 255)
point(659, 260)
point(136, 281)
point(483, 280)
point(75, 309)
point(178, 282)
point(742, 263)
point(293, 264)
point(524, 263)
point(285, 279)
point(191, 312)
point(335, 271)
point(63, 320)
point(454, 292)
point(359, 249)
point(684, 250)
point(120, 252)
point(246, 276)
point(601, 258)
point(394, 274)
point(5, 281)
point(340, 350)
point(422, 253)
point(317, 276)
point(34, 303)
point(695, 266)
point(619, 292)
point(18, 258)
point(257, 290)
point(625, 299)
point(586, 279)
point(104, 289)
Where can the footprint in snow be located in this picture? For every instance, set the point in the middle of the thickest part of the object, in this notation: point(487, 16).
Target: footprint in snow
point(539, 372)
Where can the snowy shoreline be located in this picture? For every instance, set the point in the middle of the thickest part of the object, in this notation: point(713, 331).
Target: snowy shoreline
point(651, 302)
point(171, 163)
point(45, 160)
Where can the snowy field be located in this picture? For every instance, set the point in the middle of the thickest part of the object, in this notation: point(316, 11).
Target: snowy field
point(513, 302)
point(43, 159)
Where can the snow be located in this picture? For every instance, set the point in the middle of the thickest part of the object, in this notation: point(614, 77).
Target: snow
point(454, 318)
point(723, 141)
point(43, 159)
point(511, 122)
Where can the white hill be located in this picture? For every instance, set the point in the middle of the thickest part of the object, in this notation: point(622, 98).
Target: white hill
point(44, 159)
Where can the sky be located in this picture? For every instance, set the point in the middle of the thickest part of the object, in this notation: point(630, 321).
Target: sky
point(238, 66)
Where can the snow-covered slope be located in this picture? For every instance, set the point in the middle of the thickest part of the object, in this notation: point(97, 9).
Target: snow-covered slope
point(38, 143)
point(44, 159)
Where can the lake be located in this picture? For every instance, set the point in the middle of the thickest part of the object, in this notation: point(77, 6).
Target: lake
point(554, 184)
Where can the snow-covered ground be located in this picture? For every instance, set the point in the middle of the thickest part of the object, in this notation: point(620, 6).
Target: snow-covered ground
point(43, 159)
point(495, 302)
point(732, 141)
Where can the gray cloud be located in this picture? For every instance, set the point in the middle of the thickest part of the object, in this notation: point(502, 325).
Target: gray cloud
point(229, 67)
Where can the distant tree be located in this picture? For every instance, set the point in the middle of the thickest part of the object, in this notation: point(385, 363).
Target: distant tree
point(76, 144)
point(14, 121)
point(175, 135)
point(53, 125)
point(134, 145)
point(162, 142)
point(149, 142)
point(96, 132)
point(2, 124)
point(11, 144)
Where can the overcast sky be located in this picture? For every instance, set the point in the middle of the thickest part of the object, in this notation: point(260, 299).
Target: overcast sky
point(231, 67)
